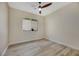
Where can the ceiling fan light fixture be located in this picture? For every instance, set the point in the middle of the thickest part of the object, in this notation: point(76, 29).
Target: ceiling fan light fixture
point(39, 12)
point(44, 6)
point(40, 9)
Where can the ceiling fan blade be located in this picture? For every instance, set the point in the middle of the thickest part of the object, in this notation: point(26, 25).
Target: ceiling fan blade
point(46, 5)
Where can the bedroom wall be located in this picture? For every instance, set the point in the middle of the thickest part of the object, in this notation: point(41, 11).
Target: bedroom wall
point(62, 26)
point(3, 27)
point(16, 34)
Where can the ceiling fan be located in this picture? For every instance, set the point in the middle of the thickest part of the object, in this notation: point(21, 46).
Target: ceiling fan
point(44, 6)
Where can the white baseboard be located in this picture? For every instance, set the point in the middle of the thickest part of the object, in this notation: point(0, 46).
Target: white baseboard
point(24, 42)
point(4, 51)
point(64, 44)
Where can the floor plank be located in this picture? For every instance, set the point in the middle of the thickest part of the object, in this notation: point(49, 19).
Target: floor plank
point(41, 48)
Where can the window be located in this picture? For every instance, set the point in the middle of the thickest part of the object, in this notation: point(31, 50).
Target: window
point(31, 25)
point(26, 25)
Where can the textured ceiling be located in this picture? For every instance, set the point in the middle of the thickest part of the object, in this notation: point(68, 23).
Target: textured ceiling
point(32, 7)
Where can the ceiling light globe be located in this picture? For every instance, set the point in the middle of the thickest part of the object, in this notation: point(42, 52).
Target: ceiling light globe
point(39, 9)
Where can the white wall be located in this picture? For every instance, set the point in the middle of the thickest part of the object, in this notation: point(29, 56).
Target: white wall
point(62, 26)
point(3, 27)
point(16, 34)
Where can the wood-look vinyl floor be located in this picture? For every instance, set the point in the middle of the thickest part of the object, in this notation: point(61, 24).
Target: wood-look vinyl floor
point(41, 48)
